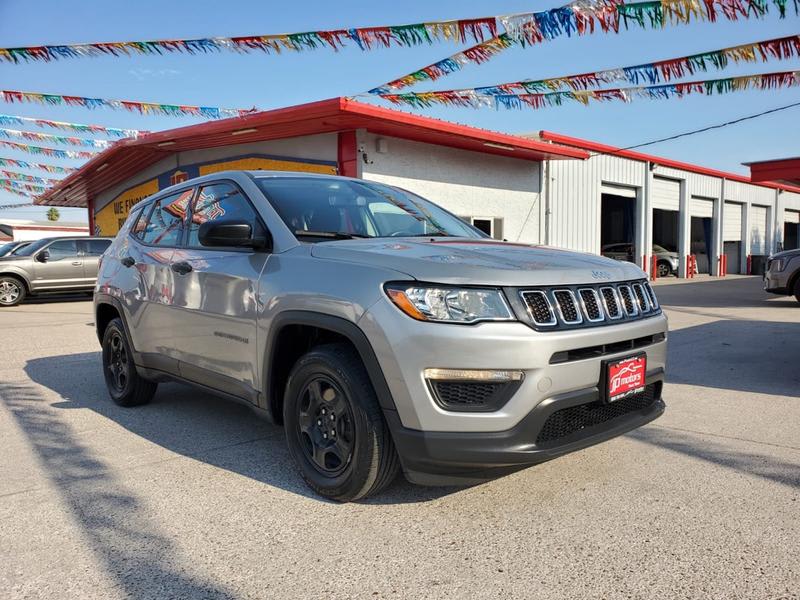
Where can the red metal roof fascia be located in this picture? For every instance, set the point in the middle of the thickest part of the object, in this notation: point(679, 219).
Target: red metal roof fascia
point(787, 169)
point(482, 135)
point(664, 162)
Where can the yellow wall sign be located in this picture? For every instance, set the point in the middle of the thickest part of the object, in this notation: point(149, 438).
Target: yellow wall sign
point(266, 164)
point(109, 219)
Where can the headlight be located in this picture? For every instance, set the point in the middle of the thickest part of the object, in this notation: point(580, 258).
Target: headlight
point(450, 305)
point(776, 264)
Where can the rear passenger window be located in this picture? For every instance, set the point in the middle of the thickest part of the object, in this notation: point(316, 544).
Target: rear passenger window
point(164, 227)
point(95, 247)
point(220, 201)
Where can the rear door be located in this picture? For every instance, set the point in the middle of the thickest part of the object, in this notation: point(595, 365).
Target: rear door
point(155, 237)
point(91, 250)
point(215, 303)
point(63, 268)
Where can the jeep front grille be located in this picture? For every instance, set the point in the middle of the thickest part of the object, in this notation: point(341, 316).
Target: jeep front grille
point(589, 305)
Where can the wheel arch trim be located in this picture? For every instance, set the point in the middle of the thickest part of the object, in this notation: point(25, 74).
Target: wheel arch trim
point(343, 327)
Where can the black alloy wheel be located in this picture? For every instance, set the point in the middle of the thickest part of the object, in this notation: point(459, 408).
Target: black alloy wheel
point(326, 426)
point(125, 386)
point(117, 363)
point(335, 428)
point(663, 269)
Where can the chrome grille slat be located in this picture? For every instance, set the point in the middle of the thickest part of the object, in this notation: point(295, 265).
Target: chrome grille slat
point(590, 302)
point(611, 302)
point(567, 307)
point(589, 305)
point(539, 308)
point(641, 297)
point(628, 300)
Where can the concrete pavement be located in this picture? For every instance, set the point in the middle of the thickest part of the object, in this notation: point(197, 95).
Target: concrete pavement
point(194, 497)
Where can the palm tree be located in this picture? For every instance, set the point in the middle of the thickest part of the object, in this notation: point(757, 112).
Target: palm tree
point(53, 214)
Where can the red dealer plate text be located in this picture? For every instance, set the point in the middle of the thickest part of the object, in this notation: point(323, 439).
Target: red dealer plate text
point(625, 377)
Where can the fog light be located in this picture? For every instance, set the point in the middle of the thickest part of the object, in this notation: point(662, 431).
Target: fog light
point(472, 375)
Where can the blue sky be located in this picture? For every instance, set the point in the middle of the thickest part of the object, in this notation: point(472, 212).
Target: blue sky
point(268, 81)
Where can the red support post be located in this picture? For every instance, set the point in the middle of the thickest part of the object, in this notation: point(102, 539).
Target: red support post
point(749, 264)
point(724, 266)
point(653, 268)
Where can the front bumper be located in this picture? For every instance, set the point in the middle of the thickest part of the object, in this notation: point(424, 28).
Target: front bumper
point(447, 458)
point(776, 283)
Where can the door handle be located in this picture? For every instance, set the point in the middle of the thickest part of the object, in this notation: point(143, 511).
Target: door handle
point(76, 263)
point(181, 268)
point(128, 261)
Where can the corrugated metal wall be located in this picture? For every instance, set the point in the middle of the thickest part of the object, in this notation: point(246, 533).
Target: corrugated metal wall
point(575, 197)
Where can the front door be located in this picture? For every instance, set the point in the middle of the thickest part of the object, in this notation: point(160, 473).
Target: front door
point(58, 266)
point(214, 306)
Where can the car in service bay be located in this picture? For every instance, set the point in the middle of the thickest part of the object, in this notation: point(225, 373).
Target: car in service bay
point(381, 331)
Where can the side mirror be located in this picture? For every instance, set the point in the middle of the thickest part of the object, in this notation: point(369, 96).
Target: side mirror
point(231, 233)
point(43, 256)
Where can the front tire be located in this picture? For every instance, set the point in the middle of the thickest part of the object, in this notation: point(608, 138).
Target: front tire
point(125, 386)
point(334, 425)
point(12, 291)
point(663, 269)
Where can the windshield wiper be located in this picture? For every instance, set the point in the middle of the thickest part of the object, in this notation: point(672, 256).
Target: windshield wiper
point(432, 234)
point(334, 235)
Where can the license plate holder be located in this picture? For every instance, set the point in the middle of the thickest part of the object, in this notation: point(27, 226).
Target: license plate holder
point(623, 377)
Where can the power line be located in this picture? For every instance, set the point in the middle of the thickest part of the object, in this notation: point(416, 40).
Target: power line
point(704, 129)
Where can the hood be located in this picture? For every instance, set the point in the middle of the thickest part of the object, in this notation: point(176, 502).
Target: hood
point(786, 253)
point(478, 262)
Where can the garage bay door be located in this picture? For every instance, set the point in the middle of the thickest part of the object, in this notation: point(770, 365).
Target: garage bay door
point(758, 229)
point(666, 194)
point(701, 207)
point(732, 235)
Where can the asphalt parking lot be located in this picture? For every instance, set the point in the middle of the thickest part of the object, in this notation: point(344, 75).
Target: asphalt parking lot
point(195, 497)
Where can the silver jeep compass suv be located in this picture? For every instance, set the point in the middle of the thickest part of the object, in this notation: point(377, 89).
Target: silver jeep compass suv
point(380, 330)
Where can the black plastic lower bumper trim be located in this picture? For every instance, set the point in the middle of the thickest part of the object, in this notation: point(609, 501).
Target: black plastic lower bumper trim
point(464, 458)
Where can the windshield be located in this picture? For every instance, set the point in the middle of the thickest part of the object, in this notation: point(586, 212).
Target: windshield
point(342, 208)
point(6, 248)
point(33, 248)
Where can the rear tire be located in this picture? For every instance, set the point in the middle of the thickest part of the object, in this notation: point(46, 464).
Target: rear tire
point(125, 386)
point(334, 425)
point(12, 291)
point(663, 269)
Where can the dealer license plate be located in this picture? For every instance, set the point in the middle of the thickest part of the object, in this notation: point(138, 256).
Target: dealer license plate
point(625, 377)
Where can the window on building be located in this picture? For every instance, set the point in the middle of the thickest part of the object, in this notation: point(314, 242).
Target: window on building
point(62, 250)
point(165, 225)
point(491, 226)
point(217, 201)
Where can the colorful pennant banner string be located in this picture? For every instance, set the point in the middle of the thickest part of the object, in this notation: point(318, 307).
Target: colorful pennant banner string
point(765, 81)
point(144, 108)
point(32, 136)
point(54, 152)
point(76, 127)
point(13, 190)
point(365, 38)
point(18, 205)
point(657, 72)
point(21, 164)
point(584, 17)
point(28, 187)
point(27, 178)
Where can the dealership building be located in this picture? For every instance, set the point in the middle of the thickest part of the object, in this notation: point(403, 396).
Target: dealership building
point(540, 189)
